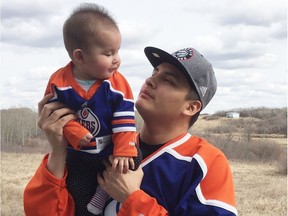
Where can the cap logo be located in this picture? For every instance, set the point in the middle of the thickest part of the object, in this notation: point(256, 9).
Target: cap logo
point(183, 54)
point(156, 55)
point(203, 90)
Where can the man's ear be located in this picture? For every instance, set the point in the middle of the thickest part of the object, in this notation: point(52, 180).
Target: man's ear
point(77, 55)
point(192, 107)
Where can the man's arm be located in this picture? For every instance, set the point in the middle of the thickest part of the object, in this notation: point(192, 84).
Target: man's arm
point(46, 193)
point(139, 203)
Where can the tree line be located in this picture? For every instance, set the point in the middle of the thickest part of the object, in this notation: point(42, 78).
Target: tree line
point(19, 125)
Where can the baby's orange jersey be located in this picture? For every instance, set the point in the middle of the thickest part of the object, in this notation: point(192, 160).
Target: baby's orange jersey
point(106, 110)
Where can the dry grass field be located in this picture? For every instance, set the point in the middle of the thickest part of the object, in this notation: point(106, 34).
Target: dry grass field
point(260, 190)
point(16, 170)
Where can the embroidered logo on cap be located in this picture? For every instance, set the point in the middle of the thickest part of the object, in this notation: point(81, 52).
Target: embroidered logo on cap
point(203, 90)
point(156, 55)
point(183, 54)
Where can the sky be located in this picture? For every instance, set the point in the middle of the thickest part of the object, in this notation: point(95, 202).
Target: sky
point(245, 40)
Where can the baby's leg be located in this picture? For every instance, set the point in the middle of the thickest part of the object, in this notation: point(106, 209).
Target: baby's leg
point(98, 201)
point(81, 179)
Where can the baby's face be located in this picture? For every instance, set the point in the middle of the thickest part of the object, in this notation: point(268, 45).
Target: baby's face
point(102, 59)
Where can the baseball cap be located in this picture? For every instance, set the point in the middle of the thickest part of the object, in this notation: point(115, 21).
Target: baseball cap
point(196, 68)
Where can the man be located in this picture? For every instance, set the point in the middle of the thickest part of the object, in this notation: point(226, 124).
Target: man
point(183, 174)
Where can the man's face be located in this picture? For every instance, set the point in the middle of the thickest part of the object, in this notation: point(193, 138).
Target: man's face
point(163, 96)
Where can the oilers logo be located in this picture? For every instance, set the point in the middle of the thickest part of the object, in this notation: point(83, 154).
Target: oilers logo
point(183, 54)
point(89, 120)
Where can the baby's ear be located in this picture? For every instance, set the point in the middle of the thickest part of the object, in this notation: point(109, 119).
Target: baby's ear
point(77, 56)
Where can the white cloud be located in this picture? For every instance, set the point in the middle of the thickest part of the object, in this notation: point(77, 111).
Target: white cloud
point(253, 13)
point(40, 30)
point(135, 34)
point(245, 41)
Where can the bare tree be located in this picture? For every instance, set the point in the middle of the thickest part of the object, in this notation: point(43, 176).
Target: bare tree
point(17, 125)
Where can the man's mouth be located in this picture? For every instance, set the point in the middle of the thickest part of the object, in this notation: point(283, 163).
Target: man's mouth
point(145, 93)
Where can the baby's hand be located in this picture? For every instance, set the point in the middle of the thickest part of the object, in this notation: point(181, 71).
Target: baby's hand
point(85, 140)
point(123, 163)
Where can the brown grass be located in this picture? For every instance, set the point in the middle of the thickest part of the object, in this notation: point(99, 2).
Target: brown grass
point(16, 171)
point(260, 190)
point(223, 125)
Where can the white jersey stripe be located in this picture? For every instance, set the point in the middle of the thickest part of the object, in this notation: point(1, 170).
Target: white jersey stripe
point(126, 113)
point(117, 91)
point(173, 145)
point(216, 203)
point(123, 129)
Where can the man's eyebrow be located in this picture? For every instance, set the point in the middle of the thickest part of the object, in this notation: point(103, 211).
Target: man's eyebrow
point(172, 74)
point(167, 72)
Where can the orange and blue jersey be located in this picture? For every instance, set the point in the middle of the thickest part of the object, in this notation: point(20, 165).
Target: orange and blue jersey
point(106, 110)
point(185, 177)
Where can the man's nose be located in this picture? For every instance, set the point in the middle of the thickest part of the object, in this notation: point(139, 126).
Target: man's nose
point(151, 82)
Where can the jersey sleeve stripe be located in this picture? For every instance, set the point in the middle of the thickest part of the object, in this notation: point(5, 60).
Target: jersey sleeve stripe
point(125, 113)
point(123, 129)
point(201, 163)
point(216, 203)
point(123, 121)
point(200, 195)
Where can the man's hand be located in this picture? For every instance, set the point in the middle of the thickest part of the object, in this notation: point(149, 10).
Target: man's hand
point(52, 118)
point(119, 185)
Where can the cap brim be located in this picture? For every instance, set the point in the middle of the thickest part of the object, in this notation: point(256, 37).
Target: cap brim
point(157, 56)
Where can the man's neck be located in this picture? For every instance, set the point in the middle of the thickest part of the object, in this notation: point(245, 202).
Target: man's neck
point(157, 135)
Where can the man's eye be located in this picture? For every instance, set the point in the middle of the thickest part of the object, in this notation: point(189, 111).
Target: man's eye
point(170, 81)
point(167, 80)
